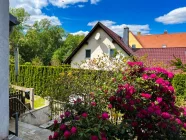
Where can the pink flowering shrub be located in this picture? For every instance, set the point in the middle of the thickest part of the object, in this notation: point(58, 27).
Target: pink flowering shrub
point(84, 120)
point(144, 97)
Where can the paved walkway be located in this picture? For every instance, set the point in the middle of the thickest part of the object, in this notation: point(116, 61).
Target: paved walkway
point(30, 132)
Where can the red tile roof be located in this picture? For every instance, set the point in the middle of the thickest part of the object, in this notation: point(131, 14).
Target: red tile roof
point(164, 55)
point(156, 41)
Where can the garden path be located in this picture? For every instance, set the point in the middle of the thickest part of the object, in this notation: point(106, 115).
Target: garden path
point(30, 132)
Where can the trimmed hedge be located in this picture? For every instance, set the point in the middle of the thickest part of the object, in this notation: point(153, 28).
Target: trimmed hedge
point(37, 77)
point(40, 77)
point(179, 83)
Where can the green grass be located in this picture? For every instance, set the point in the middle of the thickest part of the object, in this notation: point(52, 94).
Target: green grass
point(38, 101)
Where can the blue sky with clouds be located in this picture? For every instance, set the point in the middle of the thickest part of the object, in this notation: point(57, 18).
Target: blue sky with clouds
point(79, 16)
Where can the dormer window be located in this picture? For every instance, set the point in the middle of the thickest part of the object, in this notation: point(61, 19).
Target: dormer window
point(87, 53)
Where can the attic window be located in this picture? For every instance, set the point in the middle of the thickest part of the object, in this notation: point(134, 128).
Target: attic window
point(133, 45)
point(87, 53)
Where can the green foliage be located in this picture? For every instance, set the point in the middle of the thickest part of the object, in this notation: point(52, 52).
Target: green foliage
point(178, 64)
point(179, 83)
point(50, 43)
point(71, 42)
point(37, 77)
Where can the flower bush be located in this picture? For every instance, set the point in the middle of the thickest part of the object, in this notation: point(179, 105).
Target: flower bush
point(145, 98)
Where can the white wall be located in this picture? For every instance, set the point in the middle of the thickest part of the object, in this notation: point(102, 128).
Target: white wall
point(98, 47)
point(4, 68)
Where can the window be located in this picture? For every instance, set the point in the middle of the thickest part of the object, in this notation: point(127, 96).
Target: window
point(87, 53)
point(112, 52)
point(133, 45)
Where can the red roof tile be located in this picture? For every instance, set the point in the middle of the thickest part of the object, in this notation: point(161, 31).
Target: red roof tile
point(164, 55)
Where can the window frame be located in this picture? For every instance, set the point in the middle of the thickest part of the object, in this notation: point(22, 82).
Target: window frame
point(111, 55)
point(86, 53)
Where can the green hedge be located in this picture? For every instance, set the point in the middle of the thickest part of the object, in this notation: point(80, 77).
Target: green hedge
point(41, 77)
point(37, 77)
point(179, 83)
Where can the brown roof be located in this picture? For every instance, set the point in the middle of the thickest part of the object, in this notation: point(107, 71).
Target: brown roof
point(157, 41)
point(164, 55)
point(116, 38)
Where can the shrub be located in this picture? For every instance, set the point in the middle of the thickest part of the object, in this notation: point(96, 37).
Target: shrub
point(145, 98)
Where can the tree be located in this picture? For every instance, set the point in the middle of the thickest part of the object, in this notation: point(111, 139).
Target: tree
point(71, 42)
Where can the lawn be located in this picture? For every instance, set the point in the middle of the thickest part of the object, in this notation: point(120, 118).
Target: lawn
point(38, 101)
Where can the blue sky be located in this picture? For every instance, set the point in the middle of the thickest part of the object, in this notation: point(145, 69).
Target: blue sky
point(79, 16)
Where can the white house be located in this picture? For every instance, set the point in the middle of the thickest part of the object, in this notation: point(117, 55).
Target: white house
point(101, 40)
point(4, 65)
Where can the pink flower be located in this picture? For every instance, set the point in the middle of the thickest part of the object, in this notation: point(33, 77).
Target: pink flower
point(105, 116)
point(56, 135)
point(62, 116)
point(93, 137)
point(159, 99)
point(145, 77)
point(73, 130)
point(159, 81)
point(93, 104)
point(178, 121)
point(63, 127)
point(152, 76)
point(170, 75)
point(184, 125)
point(55, 122)
point(84, 115)
point(150, 109)
point(109, 106)
point(76, 117)
point(112, 98)
point(146, 95)
point(165, 115)
point(50, 137)
point(171, 89)
point(67, 113)
point(67, 134)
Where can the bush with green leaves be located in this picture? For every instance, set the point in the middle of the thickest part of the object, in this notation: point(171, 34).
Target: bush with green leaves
point(144, 96)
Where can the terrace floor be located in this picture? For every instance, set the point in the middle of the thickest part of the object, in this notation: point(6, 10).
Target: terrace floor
point(30, 132)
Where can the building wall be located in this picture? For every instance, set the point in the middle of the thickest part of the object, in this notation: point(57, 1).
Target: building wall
point(133, 40)
point(4, 68)
point(98, 47)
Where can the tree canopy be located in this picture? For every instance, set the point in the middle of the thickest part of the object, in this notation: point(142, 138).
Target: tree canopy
point(42, 41)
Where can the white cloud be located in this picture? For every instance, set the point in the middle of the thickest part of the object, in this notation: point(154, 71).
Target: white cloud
point(66, 3)
point(144, 29)
point(107, 23)
point(80, 33)
point(81, 6)
point(94, 1)
point(175, 16)
point(54, 20)
point(34, 7)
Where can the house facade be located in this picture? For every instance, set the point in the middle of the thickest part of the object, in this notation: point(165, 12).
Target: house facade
point(6, 26)
point(4, 70)
point(100, 41)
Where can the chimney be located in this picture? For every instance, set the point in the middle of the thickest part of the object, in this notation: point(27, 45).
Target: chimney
point(165, 32)
point(126, 36)
point(138, 33)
